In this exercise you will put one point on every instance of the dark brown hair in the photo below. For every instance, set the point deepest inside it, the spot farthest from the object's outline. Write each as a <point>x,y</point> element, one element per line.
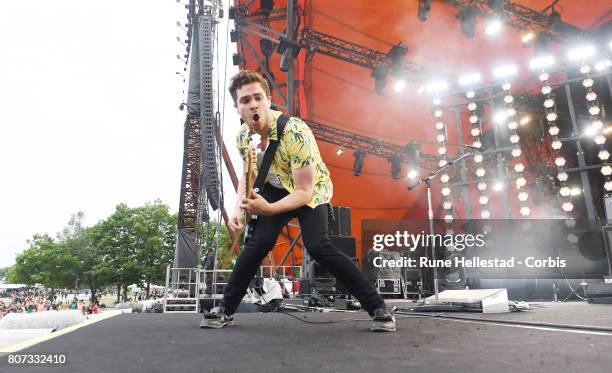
<point>245,77</point>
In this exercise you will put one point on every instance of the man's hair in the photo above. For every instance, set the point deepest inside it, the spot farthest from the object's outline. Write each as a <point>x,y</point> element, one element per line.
<point>245,77</point>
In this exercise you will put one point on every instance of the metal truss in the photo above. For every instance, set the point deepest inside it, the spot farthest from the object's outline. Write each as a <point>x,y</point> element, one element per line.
<point>190,179</point>
<point>524,18</point>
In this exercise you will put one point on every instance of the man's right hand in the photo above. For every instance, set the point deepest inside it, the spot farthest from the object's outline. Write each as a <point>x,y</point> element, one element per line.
<point>236,221</point>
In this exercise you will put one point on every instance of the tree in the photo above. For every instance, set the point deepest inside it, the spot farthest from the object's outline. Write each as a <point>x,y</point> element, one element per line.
<point>4,273</point>
<point>46,262</point>
<point>208,234</point>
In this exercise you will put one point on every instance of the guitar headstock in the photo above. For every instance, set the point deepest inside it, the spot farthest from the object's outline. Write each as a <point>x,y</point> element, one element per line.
<point>251,161</point>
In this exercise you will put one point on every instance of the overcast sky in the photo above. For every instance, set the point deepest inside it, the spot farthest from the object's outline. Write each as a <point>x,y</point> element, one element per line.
<point>89,115</point>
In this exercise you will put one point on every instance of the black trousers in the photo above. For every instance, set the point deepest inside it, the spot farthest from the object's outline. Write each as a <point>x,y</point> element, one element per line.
<point>313,223</point>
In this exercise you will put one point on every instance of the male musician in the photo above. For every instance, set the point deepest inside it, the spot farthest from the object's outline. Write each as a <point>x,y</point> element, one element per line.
<point>298,185</point>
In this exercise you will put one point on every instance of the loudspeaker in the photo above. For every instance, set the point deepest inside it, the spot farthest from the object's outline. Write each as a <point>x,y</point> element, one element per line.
<point>318,277</point>
<point>341,225</point>
<point>347,245</point>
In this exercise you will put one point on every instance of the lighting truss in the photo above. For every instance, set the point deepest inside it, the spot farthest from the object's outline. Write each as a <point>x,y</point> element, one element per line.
<point>524,18</point>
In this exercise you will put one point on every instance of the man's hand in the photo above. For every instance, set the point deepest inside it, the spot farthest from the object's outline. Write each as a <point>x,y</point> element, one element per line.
<point>236,221</point>
<point>256,205</point>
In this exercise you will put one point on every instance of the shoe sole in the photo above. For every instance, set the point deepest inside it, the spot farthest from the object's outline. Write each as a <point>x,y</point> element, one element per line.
<point>382,329</point>
<point>218,326</point>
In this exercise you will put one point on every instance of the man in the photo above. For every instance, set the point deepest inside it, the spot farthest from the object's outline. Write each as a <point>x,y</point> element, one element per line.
<point>298,185</point>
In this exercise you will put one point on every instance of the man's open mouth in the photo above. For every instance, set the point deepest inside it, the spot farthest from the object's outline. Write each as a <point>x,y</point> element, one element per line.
<point>256,117</point>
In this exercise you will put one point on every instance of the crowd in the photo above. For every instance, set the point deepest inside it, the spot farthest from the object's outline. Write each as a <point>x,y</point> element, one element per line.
<point>21,302</point>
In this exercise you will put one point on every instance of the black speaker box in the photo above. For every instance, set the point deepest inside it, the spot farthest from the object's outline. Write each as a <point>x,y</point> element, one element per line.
<point>341,225</point>
<point>316,276</point>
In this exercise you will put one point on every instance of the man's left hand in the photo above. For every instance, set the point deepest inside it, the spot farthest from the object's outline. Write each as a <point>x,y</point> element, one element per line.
<point>256,205</point>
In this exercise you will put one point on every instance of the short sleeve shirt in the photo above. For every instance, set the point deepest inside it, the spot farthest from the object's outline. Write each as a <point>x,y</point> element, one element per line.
<point>297,148</point>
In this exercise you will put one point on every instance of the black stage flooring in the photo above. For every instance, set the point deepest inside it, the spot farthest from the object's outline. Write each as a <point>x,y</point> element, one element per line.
<point>279,343</point>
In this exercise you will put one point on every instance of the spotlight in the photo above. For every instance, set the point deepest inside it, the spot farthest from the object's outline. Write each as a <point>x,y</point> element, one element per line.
<point>498,186</point>
<point>236,60</point>
<point>505,71</point>
<point>470,79</point>
<point>234,36</point>
<point>413,174</point>
<point>493,26</point>
<point>424,8</point>
<point>340,150</point>
<point>359,155</point>
<point>468,21</point>
<point>437,86</point>
<point>289,51</point>
<point>581,53</point>
<point>499,116</point>
<point>266,7</point>
<point>399,85</point>
<point>541,62</point>
<point>266,47</point>
<point>396,166</point>
<point>524,120</point>
<point>527,38</point>
<point>380,79</point>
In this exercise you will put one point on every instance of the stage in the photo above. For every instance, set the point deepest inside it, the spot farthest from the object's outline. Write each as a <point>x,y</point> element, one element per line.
<point>278,342</point>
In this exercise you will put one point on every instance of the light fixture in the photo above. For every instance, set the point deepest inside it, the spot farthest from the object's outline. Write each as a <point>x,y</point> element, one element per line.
<point>505,71</point>
<point>581,53</point>
<point>340,150</point>
<point>359,155</point>
<point>524,120</point>
<point>542,62</point>
<point>437,86</point>
<point>493,26</point>
<point>399,85</point>
<point>469,79</point>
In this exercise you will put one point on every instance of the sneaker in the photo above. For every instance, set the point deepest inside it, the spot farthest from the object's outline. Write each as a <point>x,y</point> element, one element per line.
<point>216,319</point>
<point>383,320</point>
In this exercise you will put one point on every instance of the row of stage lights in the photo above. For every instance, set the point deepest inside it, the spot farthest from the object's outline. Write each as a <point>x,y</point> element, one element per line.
<point>597,130</point>
<point>584,53</point>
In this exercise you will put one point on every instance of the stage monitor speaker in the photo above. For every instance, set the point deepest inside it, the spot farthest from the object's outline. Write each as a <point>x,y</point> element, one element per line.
<point>314,275</point>
<point>489,300</point>
<point>341,225</point>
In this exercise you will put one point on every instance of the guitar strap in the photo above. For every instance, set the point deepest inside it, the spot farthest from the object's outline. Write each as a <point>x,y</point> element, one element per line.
<point>269,154</point>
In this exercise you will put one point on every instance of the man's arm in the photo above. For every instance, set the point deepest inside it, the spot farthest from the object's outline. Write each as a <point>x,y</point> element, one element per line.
<point>236,220</point>
<point>303,179</point>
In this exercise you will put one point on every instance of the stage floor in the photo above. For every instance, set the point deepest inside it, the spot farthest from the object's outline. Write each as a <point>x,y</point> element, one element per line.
<point>277,342</point>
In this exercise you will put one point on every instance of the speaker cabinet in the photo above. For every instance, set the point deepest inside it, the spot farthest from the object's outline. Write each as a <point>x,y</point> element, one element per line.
<point>341,225</point>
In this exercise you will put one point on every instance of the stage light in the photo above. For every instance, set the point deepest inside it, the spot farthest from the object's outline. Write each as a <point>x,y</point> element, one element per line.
<point>527,37</point>
<point>472,106</point>
<point>544,76</point>
<point>442,150</point>
<point>594,110</point>
<point>480,172</point>
<point>424,8</point>
<point>549,103</point>
<point>440,137</point>
<point>512,125</point>
<point>606,170</point>
<point>485,214</point>
<point>473,119</point>
<point>442,162</point>
<point>525,211</point>
<point>581,53</point>
<point>413,174</point>
<point>562,176</point>
<point>482,186</point>
<point>597,124</point>
<point>567,206</point>
<point>439,126</point>
<point>396,166</point>
<point>266,7</point>
<point>585,69</point>
<point>516,152</point>
<point>421,89</point>
<point>478,158</point>
<point>475,132</point>
<point>551,117</point>
<point>447,205</point>
<point>608,186</point>
<point>359,155</point>
<point>499,117</point>
<point>600,139</point>
<point>470,94</point>
<point>469,79</point>
<point>553,130</point>
<point>575,191</point>
<point>493,26</point>
<point>591,96</point>
<point>587,83</point>
<point>510,112</point>
<point>445,191</point>
<point>483,200</point>
<point>514,138</point>
<point>524,120</point>
<point>604,155</point>
<point>444,178</point>
<point>380,79</point>
<point>523,196</point>
<point>565,191</point>
<point>505,71</point>
<point>541,62</point>
<point>437,101</point>
<point>468,21</point>
<point>519,167</point>
<point>437,86</point>
<point>340,150</point>
<point>556,144</point>
<point>477,144</point>
<point>590,131</point>
<point>448,218</point>
<point>560,162</point>
<point>437,113</point>
<point>508,99</point>
<point>546,90</point>
<point>521,182</point>
<point>399,86</point>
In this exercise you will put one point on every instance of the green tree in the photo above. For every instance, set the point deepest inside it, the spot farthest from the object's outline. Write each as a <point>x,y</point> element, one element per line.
<point>47,262</point>
<point>4,273</point>
<point>214,235</point>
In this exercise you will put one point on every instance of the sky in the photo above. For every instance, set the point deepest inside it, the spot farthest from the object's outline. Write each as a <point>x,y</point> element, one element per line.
<point>89,115</point>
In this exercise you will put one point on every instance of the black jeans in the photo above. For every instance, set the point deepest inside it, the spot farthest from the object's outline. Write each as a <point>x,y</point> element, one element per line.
<point>313,223</point>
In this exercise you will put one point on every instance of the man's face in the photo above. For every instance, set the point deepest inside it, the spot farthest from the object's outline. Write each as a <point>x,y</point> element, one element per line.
<point>254,107</point>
